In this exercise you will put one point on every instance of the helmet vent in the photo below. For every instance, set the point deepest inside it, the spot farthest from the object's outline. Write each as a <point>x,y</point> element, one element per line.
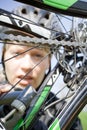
<point>47,16</point>
<point>24,11</point>
<point>42,24</point>
<point>35,12</point>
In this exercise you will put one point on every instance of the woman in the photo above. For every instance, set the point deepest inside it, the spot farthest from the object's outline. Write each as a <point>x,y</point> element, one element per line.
<point>26,67</point>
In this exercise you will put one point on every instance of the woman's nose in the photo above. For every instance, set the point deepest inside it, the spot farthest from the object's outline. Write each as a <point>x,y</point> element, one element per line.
<point>27,62</point>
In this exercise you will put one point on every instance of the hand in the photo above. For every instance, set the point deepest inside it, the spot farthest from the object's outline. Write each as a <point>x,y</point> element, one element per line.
<point>4,88</point>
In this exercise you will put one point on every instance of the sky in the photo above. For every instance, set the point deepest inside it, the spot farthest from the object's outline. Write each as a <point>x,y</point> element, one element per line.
<point>9,4</point>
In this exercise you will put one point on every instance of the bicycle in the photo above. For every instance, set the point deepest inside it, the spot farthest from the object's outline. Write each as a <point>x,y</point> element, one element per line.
<point>71,48</point>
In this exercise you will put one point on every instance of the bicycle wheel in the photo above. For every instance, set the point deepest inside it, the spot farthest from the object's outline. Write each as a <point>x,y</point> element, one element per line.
<point>70,51</point>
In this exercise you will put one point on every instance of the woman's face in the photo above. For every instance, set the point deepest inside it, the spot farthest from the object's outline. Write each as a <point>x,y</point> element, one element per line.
<point>17,67</point>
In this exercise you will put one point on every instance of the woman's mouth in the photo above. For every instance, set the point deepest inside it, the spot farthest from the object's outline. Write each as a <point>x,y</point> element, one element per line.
<point>25,80</point>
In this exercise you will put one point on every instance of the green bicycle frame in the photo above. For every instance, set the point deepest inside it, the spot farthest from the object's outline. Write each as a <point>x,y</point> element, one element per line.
<point>61,4</point>
<point>65,119</point>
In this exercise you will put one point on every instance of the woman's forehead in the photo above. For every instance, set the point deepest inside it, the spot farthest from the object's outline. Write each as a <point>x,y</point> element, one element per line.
<point>27,45</point>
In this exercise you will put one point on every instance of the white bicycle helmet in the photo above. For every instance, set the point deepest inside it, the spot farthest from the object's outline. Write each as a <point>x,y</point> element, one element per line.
<point>44,26</point>
<point>41,18</point>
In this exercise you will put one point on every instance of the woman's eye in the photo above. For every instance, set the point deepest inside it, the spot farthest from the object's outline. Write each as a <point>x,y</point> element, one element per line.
<point>16,53</point>
<point>39,56</point>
